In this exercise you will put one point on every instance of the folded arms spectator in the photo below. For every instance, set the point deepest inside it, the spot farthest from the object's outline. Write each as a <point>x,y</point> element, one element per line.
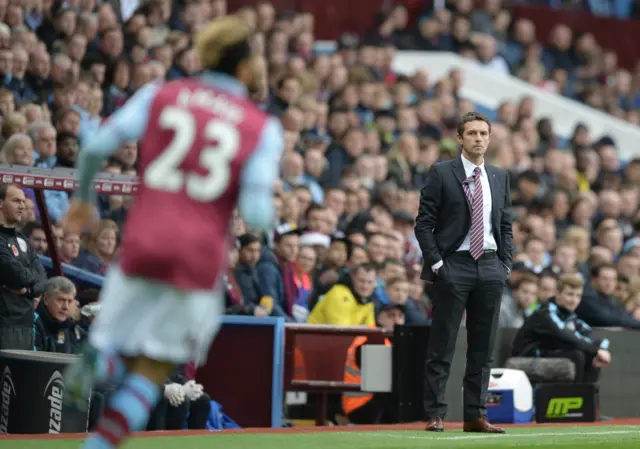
<point>22,276</point>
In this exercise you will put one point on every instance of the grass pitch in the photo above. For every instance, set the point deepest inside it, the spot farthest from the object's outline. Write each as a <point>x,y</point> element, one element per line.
<point>606,437</point>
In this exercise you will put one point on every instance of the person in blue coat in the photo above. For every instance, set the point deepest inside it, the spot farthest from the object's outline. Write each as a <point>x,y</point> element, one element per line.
<point>276,272</point>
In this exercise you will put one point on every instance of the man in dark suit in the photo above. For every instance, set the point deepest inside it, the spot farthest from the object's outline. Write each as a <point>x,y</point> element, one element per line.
<point>464,230</point>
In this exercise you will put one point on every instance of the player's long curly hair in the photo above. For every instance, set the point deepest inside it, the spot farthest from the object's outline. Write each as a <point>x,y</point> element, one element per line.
<point>223,38</point>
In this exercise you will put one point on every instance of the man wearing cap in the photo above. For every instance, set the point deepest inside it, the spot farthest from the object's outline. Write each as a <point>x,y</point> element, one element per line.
<point>276,272</point>
<point>361,407</point>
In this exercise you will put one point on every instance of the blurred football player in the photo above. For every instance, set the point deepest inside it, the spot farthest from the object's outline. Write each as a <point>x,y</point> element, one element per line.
<point>205,149</point>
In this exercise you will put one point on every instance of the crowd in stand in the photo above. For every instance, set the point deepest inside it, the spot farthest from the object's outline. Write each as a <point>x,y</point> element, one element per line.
<point>569,63</point>
<point>359,140</point>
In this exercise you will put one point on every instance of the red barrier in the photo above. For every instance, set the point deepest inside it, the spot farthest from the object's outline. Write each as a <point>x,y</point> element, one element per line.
<point>334,17</point>
<point>622,36</point>
<point>239,373</point>
<point>314,360</point>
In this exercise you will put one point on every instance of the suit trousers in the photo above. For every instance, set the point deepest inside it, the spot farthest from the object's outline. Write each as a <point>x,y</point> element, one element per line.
<point>475,286</point>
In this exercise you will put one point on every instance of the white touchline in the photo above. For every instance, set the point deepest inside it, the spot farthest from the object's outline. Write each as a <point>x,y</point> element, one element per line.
<point>483,436</point>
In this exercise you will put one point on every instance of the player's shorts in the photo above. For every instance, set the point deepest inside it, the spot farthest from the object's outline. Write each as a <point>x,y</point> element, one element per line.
<point>143,317</point>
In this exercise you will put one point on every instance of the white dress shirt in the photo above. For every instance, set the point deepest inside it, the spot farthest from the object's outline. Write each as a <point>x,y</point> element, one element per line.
<point>489,240</point>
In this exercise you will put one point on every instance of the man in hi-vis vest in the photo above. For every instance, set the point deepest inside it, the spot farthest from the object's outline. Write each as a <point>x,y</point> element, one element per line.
<point>361,407</point>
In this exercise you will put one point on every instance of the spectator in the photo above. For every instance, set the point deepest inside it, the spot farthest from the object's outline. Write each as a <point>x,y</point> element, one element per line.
<point>599,307</point>
<point>18,150</point>
<point>276,271</point>
<point>334,267</point>
<point>246,276</point>
<point>67,144</point>
<point>37,237</point>
<point>520,304</point>
<point>307,260</point>
<point>55,330</point>
<point>43,135</point>
<point>397,290</point>
<point>349,302</point>
<point>547,286</point>
<point>554,330</point>
<point>70,248</point>
<point>101,247</point>
<point>22,275</point>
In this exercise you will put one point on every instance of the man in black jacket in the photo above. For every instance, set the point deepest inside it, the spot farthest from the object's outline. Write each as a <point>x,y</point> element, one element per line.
<point>247,277</point>
<point>22,276</point>
<point>54,329</point>
<point>554,330</point>
<point>599,306</point>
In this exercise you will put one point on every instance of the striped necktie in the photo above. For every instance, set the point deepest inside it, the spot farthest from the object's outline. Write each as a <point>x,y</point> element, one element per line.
<point>476,244</point>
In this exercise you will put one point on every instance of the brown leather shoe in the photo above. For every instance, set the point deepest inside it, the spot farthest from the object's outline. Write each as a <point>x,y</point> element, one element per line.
<point>435,425</point>
<point>481,425</point>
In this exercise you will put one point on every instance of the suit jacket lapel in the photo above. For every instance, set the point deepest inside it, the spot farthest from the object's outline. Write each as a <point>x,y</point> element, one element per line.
<point>461,175</point>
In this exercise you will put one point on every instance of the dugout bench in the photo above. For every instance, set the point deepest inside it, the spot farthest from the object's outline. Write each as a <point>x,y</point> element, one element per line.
<point>314,360</point>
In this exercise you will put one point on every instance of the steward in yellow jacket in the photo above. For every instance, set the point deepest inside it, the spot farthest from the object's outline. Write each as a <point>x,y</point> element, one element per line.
<point>347,303</point>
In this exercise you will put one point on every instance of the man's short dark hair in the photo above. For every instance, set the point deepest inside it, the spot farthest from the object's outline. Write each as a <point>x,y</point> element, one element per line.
<point>352,247</point>
<point>314,207</point>
<point>527,279</point>
<point>339,109</point>
<point>596,270</point>
<point>366,267</point>
<point>338,188</point>
<point>531,239</point>
<point>4,188</point>
<point>62,114</point>
<point>636,225</point>
<point>32,226</point>
<point>531,176</point>
<point>471,117</point>
<point>284,78</point>
<point>388,262</point>
<point>548,273</point>
<point>377,234</point>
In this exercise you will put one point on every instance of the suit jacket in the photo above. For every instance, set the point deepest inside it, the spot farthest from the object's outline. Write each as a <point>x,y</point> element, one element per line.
<point>444,217</point>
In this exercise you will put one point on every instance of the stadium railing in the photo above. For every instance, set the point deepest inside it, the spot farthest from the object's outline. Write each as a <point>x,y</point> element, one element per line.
<point>64,179</point>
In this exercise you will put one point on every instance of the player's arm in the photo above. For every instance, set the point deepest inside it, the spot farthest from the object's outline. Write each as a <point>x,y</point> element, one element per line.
<point>556,327</point>
<point>260,173</point>
<point>126,124</point>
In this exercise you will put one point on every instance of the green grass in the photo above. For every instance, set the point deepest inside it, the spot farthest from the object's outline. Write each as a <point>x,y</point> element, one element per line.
<point>607,437</point>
